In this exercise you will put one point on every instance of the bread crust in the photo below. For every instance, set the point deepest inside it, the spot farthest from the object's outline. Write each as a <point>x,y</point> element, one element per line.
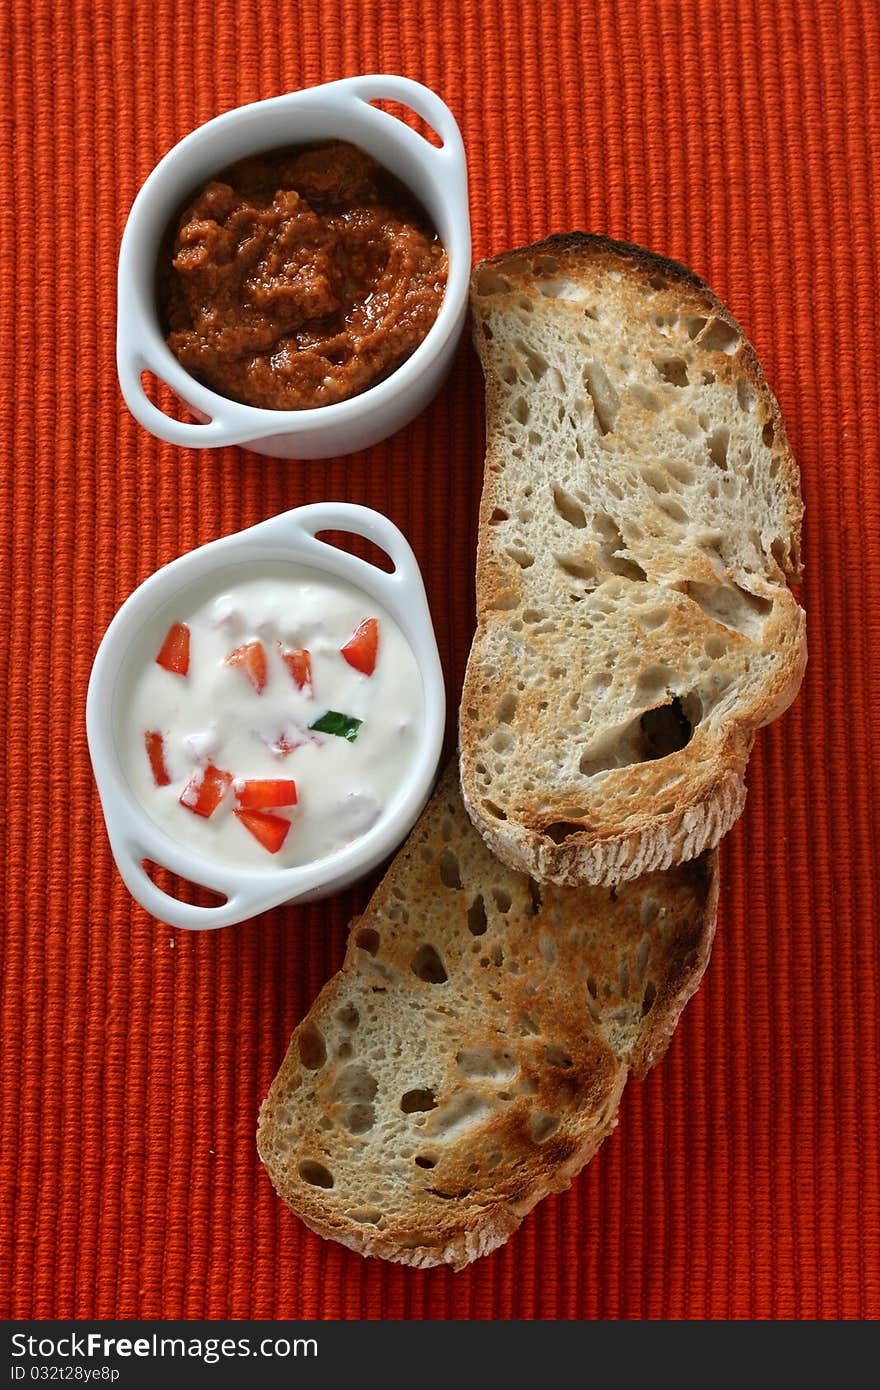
<point>600,845</point>
<point>569,1018</point>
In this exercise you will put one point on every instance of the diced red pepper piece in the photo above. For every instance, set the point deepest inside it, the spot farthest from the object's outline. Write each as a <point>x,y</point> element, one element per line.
<point>360,651</point>
<point>155,743</point>
<point>255,794</point>
<point>205,790</point>
<point>299,664</point>
<point>284,744</point>
<point>252,659</point>
<point>174,651</point>
<point>271,831</point>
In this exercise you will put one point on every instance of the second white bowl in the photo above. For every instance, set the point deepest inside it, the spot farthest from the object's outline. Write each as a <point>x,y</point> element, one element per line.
<point>135,836</point>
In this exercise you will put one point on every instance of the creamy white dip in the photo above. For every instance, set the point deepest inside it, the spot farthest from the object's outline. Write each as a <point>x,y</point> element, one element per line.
<point>214,717</point>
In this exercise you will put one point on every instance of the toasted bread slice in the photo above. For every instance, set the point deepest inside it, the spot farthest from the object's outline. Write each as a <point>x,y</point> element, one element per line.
<point>470,1055</point>
<point>640,520</point>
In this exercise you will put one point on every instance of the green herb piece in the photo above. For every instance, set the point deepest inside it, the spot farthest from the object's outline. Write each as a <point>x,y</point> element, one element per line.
<point>342,725</point>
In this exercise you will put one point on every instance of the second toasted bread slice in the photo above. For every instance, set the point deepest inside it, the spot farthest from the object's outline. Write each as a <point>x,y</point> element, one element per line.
<point>470,1055</point>
<point>639,523</point>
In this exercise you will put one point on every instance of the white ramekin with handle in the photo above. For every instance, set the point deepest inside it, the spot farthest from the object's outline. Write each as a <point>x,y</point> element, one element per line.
<point>338,110</point>
<point>134,836</point>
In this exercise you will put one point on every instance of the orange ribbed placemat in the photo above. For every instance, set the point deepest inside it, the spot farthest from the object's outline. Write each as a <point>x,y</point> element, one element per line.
<point>744,1177</point>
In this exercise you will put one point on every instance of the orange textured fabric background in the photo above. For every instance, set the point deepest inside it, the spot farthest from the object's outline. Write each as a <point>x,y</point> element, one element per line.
<point>744,1177</point>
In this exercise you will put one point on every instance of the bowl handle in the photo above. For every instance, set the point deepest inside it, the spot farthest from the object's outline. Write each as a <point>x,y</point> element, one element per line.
<point>449,159</point>
<point>165,908</point>
<point>131,361</point>
<point>305,522</point>
<point>239,905</point>
<point>380,86</point>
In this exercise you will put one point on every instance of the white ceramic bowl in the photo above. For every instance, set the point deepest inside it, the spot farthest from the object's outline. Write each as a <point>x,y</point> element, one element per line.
<point>135,836</point>
<point>337,110</point>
